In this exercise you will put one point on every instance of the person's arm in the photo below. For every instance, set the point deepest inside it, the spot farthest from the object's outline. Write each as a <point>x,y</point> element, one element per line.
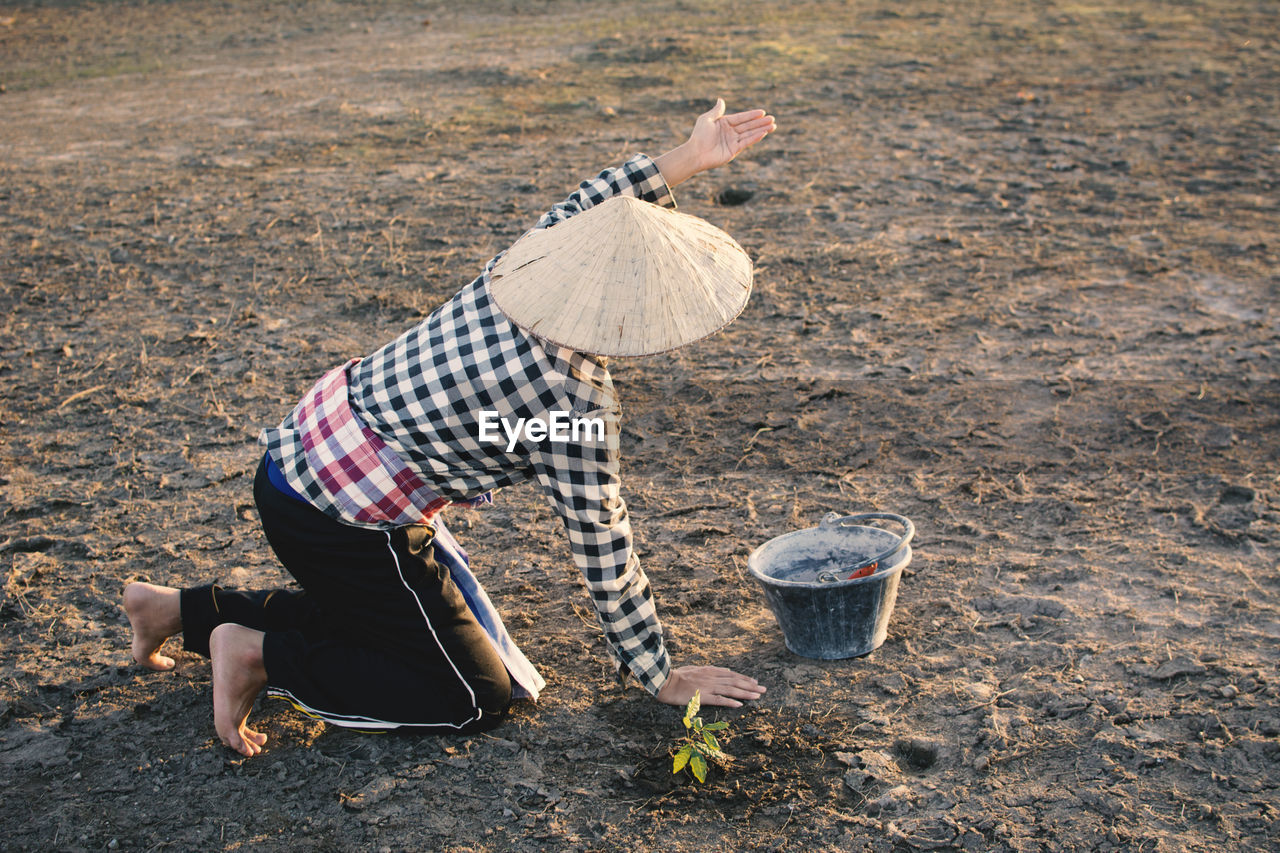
<point>716,139</point>
<point>637,177</point>
<point>581,481</point>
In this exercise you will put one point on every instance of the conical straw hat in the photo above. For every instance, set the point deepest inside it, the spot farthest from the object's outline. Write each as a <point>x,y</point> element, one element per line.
<point>625,277</point>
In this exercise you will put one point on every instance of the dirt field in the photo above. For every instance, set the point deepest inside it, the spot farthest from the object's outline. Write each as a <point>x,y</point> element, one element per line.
<point>1017,280</point>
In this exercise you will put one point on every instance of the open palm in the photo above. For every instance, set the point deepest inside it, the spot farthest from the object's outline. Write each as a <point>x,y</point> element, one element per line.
<point>718,138</point>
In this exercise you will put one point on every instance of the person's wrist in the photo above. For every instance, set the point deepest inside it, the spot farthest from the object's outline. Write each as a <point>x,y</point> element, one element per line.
<point>669,689</point>
<point>679,164</point>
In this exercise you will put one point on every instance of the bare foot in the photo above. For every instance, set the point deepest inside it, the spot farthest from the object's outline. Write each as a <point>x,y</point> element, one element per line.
<point>238,677</point>
<point>155,613</point>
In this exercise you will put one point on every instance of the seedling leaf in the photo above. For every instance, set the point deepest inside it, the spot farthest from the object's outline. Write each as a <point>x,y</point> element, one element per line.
<point>716,727</point>
<point>711,740</point>
<point>691,710</point>
<point>682,758</point>
<point>698,765</point>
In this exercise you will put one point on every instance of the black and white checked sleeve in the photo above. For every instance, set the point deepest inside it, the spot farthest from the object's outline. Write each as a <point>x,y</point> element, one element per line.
<point>637,177</point>
<point>581,480</point>
<point>582,483</point>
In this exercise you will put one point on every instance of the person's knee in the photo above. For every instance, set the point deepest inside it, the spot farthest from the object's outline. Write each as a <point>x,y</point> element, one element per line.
<point>487,722</point>
<point>493,692</point>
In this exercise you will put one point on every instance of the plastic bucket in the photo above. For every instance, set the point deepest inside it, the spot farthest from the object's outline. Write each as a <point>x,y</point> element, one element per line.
<point>823,612</point>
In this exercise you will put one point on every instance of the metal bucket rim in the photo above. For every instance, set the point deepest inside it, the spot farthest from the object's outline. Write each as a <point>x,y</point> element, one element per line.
<point>903,551</point>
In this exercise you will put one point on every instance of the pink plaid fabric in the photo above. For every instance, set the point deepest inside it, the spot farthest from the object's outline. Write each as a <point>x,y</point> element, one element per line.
<point>361,475</point>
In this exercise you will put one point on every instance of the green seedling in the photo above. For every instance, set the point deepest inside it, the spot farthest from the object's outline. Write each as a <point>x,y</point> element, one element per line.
<point>698,744</point>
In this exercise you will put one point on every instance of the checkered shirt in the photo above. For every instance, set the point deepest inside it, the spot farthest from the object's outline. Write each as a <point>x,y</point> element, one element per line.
<point>416,405</point>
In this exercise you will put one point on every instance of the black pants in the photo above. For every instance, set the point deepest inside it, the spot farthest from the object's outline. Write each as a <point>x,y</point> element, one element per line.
<point>379,637</point>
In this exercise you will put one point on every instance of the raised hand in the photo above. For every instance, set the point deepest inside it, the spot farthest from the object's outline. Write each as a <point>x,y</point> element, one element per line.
<point>716,139</point>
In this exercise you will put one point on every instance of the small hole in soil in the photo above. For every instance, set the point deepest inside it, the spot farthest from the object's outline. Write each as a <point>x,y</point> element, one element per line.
<point>734,196</point>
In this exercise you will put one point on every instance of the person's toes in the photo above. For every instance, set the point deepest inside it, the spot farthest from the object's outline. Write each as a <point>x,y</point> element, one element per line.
<point>240,745</point>
<point>241,741</point>
<point>253,741</point>
<point>146,649</point>
<point>158,662</point>
<point>147,653</point>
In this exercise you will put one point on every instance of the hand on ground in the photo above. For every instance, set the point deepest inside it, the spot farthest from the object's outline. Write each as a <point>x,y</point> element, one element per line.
<point>718,686</point>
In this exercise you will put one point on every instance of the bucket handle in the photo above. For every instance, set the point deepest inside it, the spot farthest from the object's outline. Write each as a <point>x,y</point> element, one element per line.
<point>834,520</point>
